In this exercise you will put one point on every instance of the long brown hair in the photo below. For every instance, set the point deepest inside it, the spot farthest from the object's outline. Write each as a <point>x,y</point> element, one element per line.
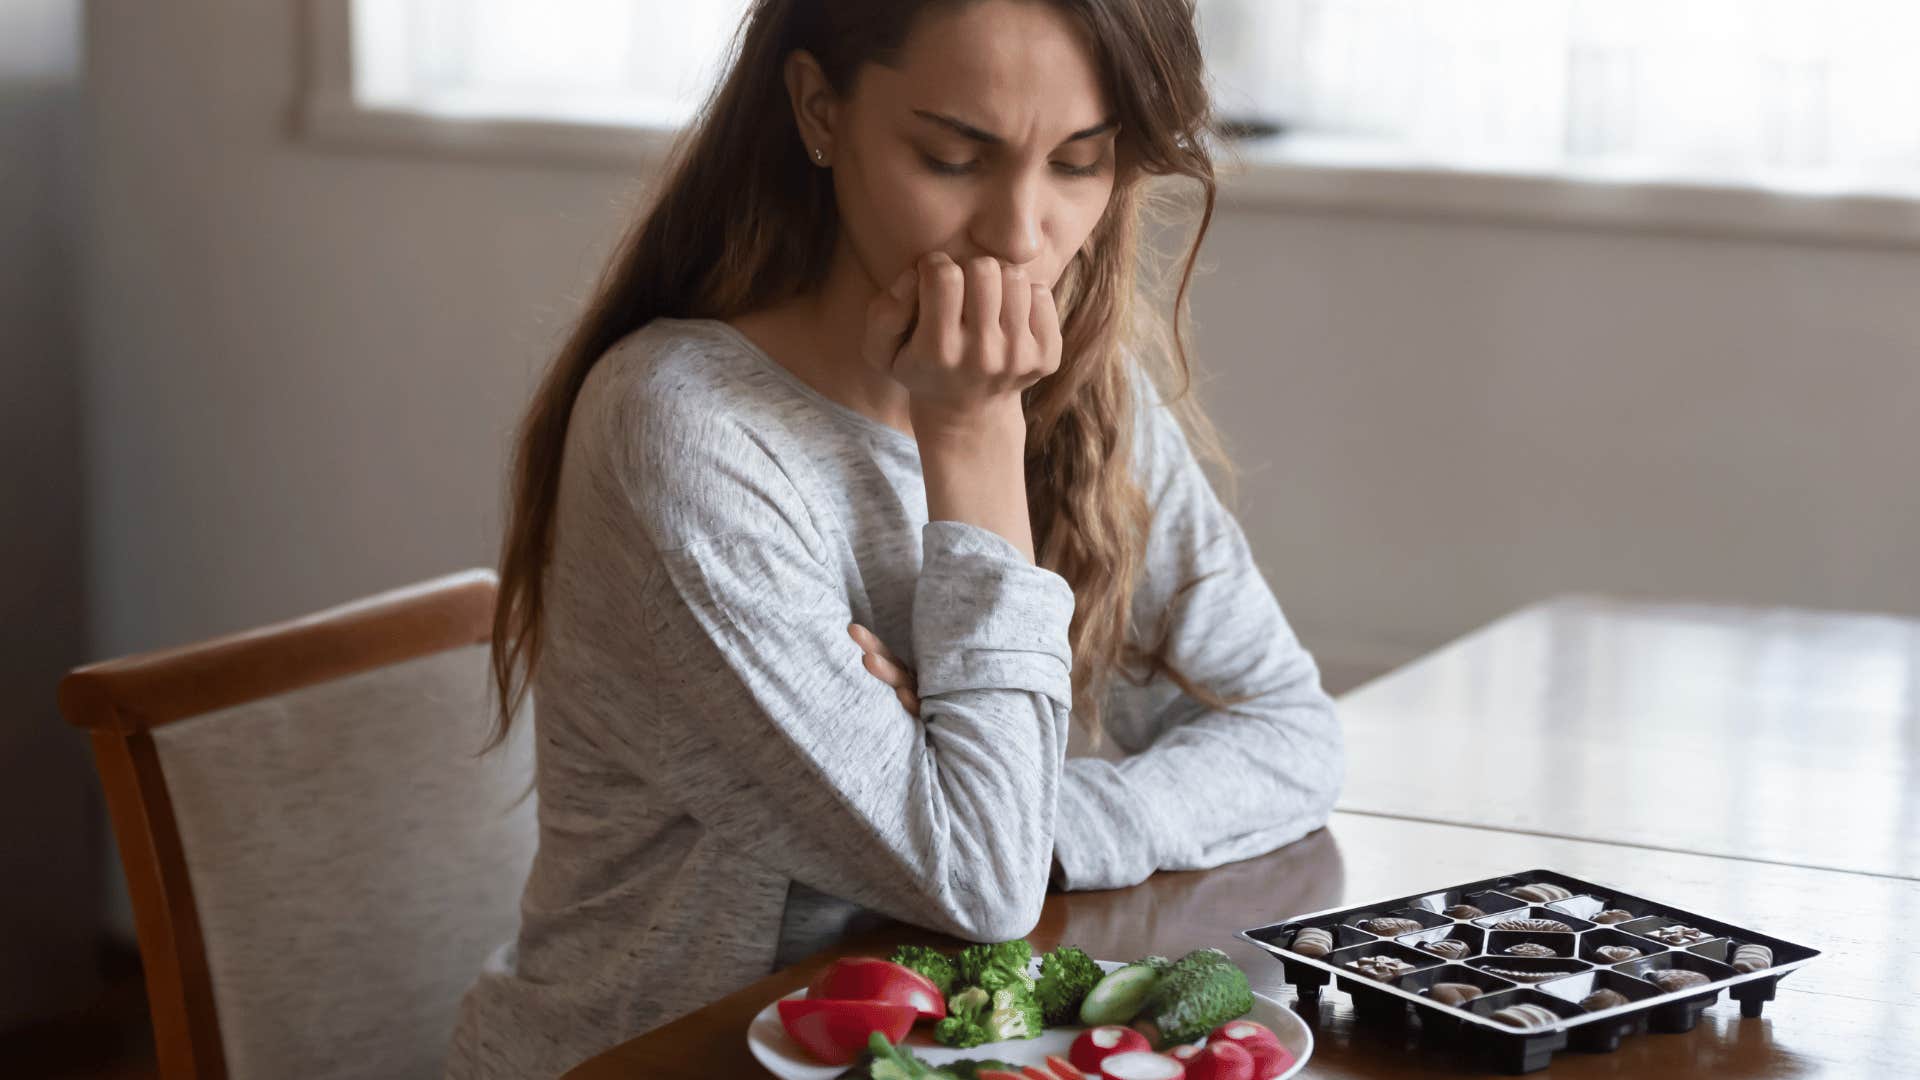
<point>741,220</point>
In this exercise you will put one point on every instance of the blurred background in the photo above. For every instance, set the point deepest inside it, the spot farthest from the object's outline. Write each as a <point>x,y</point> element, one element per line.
<point>1506,299</point>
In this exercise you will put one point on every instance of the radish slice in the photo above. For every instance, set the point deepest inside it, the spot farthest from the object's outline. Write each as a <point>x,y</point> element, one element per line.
<point>1270,1058</point>
<point>1096,1044</point>
<point>1142,1065</point>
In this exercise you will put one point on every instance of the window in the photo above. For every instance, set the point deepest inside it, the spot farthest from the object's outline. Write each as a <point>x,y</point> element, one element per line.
<point>645,63</point>
<point>1788,93</point>
<point>1788,117</point>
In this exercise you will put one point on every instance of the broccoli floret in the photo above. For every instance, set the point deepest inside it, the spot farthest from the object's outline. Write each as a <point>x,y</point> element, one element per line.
<point>975,960</point>
<point>1015,1015</point>
<point>965,1024</point>
<point>1066,976</point>
<point>937,966</point>
<point>1000,978</point>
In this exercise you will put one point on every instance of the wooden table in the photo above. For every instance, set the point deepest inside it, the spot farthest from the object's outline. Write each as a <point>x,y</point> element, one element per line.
<point>1635,745</point>
<point>1849,1013</point>
<point>1790,736</point>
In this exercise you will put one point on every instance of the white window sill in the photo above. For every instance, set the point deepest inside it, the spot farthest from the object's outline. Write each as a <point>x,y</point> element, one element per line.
<point>1284,175</point>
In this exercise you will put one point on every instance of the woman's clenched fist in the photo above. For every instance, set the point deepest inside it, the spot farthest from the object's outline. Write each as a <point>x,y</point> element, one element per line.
<point>964,339</point>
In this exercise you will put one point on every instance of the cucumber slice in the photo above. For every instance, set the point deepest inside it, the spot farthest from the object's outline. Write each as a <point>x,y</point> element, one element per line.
<point>1117,998</point>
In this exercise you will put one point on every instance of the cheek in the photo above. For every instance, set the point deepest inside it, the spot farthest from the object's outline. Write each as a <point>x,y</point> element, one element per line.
<point>899,212</point>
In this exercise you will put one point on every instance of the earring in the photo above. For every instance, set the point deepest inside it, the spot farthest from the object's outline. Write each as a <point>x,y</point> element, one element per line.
<point>819,156</point>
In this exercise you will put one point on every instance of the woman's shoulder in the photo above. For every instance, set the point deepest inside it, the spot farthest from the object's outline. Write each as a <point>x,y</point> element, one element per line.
<point>673,414</point>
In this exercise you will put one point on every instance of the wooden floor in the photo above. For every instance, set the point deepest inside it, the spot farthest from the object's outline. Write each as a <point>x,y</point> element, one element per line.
<point>109,1040</point>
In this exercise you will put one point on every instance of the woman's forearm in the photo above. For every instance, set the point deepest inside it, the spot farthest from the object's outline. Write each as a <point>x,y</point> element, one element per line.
<point>975,471</point>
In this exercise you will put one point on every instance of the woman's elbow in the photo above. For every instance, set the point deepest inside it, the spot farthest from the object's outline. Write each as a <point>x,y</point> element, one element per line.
<point>1005,918</point>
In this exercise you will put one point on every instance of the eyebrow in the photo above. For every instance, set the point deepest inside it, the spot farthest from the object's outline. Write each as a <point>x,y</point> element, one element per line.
<point>990,139</point>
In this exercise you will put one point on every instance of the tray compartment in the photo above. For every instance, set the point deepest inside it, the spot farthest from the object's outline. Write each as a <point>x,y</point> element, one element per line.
<point>1593,940</point>
<point>1681,1008</point>
<point>1574,923</point>
<point>1602,1035</point>
<point>1474,938</point>
<point>1519,1050</point>
<point>1500,941</point>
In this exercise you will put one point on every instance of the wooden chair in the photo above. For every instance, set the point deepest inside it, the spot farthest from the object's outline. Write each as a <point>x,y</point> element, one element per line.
<point>319,863</point>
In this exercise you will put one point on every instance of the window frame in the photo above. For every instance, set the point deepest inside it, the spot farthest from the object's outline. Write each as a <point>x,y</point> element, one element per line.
<point>1285,175</point>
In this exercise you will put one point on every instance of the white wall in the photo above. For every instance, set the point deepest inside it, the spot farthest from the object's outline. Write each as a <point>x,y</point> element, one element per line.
<point>304,365</point>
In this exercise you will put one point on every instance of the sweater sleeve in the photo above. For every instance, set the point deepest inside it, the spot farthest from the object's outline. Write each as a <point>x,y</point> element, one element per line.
<point>1214,786</point>
<point>762,722</point>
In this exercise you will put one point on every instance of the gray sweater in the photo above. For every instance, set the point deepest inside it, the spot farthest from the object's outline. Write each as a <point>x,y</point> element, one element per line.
<point>724,788</point>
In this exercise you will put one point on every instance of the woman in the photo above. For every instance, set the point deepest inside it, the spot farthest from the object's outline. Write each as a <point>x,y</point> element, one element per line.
<point>859,420</point>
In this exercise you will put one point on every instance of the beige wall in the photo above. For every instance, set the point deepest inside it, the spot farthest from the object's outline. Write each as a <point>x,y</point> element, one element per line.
<point>304,365</point>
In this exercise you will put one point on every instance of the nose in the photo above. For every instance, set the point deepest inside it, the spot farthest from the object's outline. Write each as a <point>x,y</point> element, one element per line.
<point>1010,222</point>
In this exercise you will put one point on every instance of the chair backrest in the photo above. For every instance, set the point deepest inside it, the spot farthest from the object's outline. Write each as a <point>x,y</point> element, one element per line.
<point>318,861</point>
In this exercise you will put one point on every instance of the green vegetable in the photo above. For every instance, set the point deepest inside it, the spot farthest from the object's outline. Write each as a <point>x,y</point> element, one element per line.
<point>976,960</point>
<point>965,1023</point>
<point>937,966</point>
<point>885,1061</point>
<point>1160,964</point>
<point>1015,1015</point>
<point>1202,990</point>
<point>1117,997</point>
<point>1067,974</point>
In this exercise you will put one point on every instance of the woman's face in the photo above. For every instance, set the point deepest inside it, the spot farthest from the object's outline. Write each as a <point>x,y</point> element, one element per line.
<point>993,136</point>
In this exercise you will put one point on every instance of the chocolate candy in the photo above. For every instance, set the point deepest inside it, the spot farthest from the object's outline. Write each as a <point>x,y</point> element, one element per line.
<point>1531,924</point>
<point>1380,967</point>
<point>1617,954</point>
<point>1676,979</point>
<point>1525,976</point>
<point>1463,911</point>
<point>1529,948</point>
<point>1602,999</point>
<point>1526,1016</point>
<point>1447,947</point>
<point>1454,993</point>
<point>1752,958</point>
<point>1313,941</point>
<point>1540,894</point>
<point>1679,935</point>
<point>1387,926</point>
<point>1613,915</point>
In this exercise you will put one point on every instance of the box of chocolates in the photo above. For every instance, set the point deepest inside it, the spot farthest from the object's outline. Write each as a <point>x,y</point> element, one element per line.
<point>1520,967</point>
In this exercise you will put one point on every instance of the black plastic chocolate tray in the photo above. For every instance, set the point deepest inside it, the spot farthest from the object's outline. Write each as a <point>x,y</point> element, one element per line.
<point>1559,970</point>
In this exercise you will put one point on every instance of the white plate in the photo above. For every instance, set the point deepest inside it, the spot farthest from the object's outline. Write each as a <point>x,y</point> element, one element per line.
<point>772,1047</point>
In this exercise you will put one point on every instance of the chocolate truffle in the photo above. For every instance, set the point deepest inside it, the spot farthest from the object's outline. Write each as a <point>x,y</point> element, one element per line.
<point>1447,947</point>
<point>1617,954</point>
<point>1463,911</point>
<point>1602,999</point>
<point>1613,915</point>
<point>1454,993</point>
<point>1387,926</point>
<point>1529,948</point>
<point>1531,924</point>
<point>1679,935</point>
<point>1540,894</point>
<point>1380,967</point>
<point>1526,1016</point>
<point>1313,941</point>
<point>1752,958</point>
<point>1676,979</point>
